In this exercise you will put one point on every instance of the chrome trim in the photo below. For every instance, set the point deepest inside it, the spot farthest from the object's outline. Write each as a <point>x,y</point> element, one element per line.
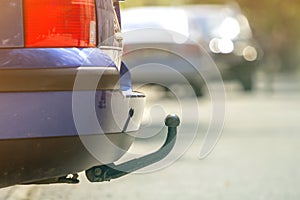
<point>111,48</point>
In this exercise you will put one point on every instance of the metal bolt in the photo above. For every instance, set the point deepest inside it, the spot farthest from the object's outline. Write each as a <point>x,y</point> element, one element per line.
<point>97,171</point>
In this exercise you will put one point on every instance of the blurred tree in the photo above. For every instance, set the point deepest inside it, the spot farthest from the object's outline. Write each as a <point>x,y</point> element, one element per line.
<point>275,24</point>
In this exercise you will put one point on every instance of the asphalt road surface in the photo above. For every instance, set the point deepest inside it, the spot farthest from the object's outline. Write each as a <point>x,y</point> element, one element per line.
<point>257,156</point>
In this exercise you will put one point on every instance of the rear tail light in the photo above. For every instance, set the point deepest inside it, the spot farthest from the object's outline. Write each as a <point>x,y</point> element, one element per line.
<point>59,23</point>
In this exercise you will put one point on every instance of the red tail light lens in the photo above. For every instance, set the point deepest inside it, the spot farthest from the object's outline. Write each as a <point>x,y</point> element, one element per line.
<point>59,23</point>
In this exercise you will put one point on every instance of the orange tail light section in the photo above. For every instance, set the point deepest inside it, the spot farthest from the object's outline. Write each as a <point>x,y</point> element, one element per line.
<point>59,23</point>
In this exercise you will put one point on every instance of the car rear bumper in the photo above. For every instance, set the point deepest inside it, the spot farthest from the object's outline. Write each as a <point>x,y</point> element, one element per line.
<point>33,159</point>
<point>45,134</point>
<point>57,121</point>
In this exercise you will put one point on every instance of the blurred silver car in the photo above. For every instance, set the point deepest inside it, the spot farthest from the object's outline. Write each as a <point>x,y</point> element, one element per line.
<point>158,49</point>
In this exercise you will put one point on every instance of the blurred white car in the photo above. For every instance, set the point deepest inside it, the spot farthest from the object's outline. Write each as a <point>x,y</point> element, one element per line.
<point>158,49</point>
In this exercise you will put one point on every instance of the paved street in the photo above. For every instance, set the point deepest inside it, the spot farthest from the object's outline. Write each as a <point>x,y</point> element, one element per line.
<point>257,156</point>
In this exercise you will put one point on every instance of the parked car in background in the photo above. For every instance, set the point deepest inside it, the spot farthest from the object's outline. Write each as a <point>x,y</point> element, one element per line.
<point>224,31</point>
<point>219,31</point>
<point>157,47</point>
<point>66,103</point>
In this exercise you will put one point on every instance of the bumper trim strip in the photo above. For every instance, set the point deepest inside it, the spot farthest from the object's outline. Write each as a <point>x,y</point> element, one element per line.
<point>57,79</point>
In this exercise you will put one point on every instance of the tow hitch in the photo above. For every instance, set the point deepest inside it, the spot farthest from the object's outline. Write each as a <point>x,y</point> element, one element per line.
<point>107,172</point>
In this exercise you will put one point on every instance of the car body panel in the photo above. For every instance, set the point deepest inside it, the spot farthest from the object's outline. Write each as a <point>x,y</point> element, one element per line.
<point>50,114</point>
<point>53,58</point>
<point>34,159</point>
<point>63,110</point>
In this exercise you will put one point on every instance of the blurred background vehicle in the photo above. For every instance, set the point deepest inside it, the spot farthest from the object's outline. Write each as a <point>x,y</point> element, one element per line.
<point>183,38</point>
<point>157,47</point>
<point>224,31</point>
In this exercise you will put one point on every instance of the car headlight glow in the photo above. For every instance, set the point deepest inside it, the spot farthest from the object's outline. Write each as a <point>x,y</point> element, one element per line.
<point>250,53</point>
<point>229,28</point>
<point>224,46</point>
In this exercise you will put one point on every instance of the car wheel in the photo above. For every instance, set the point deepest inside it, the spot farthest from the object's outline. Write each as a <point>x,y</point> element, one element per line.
<point>244,73</point>
<point>247,82</point>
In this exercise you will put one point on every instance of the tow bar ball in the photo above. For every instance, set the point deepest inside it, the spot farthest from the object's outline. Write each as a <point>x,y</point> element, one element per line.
<point>172,120</point>
<point>107,172</point>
